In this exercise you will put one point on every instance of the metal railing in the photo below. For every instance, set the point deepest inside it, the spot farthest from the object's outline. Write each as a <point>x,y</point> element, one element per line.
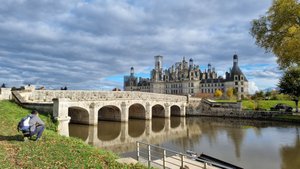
<point>156,156</point>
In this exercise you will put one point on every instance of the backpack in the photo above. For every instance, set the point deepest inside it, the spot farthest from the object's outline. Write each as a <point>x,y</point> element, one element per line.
<point>23,125</point>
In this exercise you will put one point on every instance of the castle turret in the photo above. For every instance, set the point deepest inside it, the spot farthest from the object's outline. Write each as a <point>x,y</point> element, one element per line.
<point>158,62</point>
<point>191,63</point>
<point>209,68</point>
<point>235,60</point>
<point>132,71</point>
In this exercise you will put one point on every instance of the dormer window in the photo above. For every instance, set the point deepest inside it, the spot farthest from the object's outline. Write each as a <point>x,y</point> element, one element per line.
<point>235,77</point>
<point>242,78</point>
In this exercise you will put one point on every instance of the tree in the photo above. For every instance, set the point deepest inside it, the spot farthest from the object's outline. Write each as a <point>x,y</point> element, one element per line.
<point>290,84</point>
<point>229,92</point>
<point>279,32</point>
<point>218,93</point>
<point>3,85</point>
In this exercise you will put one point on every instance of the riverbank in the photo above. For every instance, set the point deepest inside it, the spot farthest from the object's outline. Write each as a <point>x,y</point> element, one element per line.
<point>52,151</point>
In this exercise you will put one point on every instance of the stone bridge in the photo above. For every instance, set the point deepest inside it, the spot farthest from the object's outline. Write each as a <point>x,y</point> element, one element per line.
<point>87,107</point>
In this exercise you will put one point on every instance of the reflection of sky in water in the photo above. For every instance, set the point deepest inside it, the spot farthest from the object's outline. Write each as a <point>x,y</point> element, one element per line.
<point>266,145</point>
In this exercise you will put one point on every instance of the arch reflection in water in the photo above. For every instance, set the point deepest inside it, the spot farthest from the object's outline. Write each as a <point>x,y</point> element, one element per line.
<point>122,137</point>
<point>137,128</point>
<point>108,131</point>
<point>79,131</point>
<point>159,124</point>
<point>177,121</point>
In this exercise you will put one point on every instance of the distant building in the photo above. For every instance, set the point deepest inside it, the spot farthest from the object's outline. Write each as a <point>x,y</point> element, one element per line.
<point>186,78</point>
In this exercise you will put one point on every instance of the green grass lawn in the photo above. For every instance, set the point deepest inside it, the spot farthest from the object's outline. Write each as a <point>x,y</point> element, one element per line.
<point>52,151</point>
<point>262,104</point>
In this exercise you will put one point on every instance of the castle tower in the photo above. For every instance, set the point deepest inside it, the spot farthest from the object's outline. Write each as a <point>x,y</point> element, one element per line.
<point>131,71</point>
<point>158,62</point>
<point>235,60</point>
<point>209,68</point>
<point>191,64</point>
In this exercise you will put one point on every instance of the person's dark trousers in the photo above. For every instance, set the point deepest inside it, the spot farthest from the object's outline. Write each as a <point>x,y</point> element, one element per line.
<point>39,131</point>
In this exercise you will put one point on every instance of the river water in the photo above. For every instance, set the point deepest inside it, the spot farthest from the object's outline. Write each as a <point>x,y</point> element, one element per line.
<point>246,143</point>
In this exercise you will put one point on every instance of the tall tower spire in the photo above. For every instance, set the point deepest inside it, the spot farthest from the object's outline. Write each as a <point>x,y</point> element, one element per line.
<point>158,62</point>
<point>235,60</point>
<point>131,71</point>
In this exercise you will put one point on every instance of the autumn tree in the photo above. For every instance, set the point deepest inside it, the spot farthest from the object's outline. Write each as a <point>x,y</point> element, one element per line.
<point>229,92</point>
<point>290,84</point>
<point>279,32</point>
<point>218,93</point>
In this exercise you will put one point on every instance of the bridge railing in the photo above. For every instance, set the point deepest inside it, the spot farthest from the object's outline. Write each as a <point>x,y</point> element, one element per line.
<point>78,95</point>
<point>155,156</point>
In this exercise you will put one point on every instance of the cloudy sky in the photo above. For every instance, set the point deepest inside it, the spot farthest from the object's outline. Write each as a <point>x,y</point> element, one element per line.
<point>91,44</point>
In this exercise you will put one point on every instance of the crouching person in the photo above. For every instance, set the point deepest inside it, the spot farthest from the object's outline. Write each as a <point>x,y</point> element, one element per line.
<point>37,126</point>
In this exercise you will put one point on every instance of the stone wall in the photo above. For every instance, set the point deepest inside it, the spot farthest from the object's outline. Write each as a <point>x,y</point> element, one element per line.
<point>206,107</point>
<point>5,94</point>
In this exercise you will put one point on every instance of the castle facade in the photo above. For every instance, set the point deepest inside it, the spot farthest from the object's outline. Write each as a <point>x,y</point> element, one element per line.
<point>184,78</point>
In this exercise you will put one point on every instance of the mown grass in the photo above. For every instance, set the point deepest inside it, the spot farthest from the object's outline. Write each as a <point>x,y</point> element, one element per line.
<point>261,104</point>
<point>52,151</point>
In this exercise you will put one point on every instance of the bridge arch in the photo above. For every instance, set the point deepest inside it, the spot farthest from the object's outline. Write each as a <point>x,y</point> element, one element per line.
<point>137,111</point>
<point>109,113</point>
<point>175,110</point>
<point>78,115</point>
<point>158,111</point>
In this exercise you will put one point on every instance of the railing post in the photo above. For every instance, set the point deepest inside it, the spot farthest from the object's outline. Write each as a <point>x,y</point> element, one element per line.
<point>164,159</point>
<point>181,158</point>
<point>137,151</point>
<point>149,156</point>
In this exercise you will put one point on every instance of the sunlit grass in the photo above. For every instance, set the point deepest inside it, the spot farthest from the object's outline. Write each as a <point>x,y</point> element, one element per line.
<point>52,151</point>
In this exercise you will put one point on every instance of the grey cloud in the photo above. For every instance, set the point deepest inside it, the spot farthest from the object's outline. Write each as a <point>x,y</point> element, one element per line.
<point>76,43</point>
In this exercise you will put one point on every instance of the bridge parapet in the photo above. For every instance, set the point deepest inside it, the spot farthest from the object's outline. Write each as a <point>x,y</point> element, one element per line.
<point>83,95</point>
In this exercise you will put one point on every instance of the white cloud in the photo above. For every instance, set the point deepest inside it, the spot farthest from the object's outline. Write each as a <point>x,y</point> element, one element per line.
<point>252,87</point>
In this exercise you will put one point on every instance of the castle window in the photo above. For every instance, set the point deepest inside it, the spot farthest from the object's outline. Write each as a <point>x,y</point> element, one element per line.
<point>192,84</point>
<point>236,83</point>
<point>235,77</point>
<point>242,78</point>
<point>242,83</point>
<point>192,90</point>
<point>242,89</point>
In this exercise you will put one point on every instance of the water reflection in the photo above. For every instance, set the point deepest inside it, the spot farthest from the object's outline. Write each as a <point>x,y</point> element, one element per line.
<point>290,155</point>
<point>108,130</point>
<point>250,144</point>
<point>136,128</point>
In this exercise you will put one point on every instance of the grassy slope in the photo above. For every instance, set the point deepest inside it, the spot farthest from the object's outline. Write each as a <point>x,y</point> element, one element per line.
<point>53,151</point>
<point>262,104</point>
